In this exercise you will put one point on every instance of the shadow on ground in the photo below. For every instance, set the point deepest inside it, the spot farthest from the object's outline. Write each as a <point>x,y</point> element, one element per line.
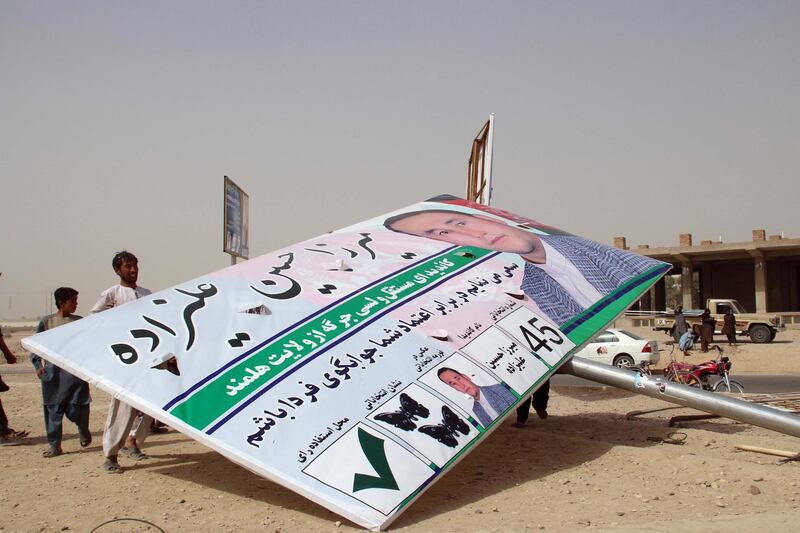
<point>508,457</point>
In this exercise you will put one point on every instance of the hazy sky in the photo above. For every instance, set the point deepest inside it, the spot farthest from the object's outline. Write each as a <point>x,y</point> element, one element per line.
<point>118,121</point>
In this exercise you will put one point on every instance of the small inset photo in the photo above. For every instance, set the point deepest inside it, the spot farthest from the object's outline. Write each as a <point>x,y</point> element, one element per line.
<point>471,388</point>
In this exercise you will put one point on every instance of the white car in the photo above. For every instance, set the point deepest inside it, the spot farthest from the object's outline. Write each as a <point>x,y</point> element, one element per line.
<point>620,348</point>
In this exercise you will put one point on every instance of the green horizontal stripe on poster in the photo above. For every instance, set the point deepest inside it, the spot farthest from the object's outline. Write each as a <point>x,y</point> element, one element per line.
<point>240,381</point>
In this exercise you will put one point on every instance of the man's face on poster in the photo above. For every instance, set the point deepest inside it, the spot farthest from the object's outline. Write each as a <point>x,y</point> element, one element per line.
<point>459,382</point>
<point>469,230</point>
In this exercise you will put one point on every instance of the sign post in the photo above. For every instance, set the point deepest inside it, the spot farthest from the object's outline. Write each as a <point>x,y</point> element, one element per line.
<point>479,169</point>
<point>236,221</point>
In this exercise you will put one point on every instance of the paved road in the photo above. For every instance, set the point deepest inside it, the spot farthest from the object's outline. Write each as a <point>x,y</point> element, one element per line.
<point>761,383</point>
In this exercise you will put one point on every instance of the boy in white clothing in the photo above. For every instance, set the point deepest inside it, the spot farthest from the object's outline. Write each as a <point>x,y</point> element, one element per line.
<point>126,427</point>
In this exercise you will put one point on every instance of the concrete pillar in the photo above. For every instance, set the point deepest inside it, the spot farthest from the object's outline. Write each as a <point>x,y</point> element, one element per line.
<point>620,242</point>
<point>687,285</point>
<point>646,301</point>
<point>761,283</point>
<point>660,299</point>
<point>706,284</point>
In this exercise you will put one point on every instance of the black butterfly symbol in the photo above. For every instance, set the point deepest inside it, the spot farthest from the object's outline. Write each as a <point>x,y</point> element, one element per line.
<point>446,431</point>
<point>404,419</point>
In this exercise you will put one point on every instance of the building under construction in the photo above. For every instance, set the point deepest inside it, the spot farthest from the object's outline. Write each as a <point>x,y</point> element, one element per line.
<point>762,274</point>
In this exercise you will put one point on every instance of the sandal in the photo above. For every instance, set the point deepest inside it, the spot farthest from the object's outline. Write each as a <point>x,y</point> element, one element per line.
<point>112,467</point>
<point>134,453</point>
<point>52,452</point>
<point>86,441</point>
<point>11,436</point>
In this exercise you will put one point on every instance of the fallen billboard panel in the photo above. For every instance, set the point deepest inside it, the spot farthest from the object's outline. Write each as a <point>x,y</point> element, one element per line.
<point>358,367</point>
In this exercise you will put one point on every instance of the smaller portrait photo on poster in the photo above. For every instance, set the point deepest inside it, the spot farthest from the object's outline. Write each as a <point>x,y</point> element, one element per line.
<point>427,424</point>
<point>471,388</point>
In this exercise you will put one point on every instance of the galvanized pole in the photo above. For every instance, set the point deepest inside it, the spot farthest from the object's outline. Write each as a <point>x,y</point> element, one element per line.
<point>710,402</point>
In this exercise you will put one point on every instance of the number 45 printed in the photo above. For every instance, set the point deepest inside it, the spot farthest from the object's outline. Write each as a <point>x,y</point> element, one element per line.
<point>537,334</point>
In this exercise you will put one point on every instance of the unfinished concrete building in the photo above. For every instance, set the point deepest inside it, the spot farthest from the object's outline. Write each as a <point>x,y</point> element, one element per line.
<point>763,274</point>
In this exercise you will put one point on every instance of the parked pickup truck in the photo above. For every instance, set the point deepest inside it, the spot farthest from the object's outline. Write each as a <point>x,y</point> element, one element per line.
<point>760,327</point>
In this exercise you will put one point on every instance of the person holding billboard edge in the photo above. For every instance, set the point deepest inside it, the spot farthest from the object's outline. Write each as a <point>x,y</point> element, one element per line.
<point>126,427</point>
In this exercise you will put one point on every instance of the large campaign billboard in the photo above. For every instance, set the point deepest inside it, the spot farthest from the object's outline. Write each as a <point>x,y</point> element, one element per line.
<point>358,367</point>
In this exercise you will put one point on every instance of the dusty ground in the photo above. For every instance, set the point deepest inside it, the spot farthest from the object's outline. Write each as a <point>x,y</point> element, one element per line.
<point>584,468</point>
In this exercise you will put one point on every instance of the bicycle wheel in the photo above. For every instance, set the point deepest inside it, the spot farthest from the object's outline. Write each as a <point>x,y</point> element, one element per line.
<point>721,386</point>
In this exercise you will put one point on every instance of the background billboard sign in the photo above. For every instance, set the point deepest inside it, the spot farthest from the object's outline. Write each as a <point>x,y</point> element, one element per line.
<point>479,168</point>
<point>236,221</point>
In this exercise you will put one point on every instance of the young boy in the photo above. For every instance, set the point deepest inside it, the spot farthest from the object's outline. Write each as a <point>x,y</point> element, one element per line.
<point>62,393</point>
<point>126,427</point>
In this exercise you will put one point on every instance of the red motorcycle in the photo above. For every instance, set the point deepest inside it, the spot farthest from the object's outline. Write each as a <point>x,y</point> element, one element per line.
<point>698,375</point>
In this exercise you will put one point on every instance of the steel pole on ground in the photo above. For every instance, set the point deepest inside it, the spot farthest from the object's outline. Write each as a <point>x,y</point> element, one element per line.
<point>710,402</point>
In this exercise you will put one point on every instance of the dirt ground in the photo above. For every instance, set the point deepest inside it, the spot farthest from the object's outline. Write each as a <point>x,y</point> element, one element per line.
<point>585,467</point>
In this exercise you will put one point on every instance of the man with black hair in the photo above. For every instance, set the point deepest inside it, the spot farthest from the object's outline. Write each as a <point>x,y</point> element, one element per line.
<point>62,393</point>
<point>126,427</point>
<point>563,274</point>
<point>680,327</point>
<point>487,402</point>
